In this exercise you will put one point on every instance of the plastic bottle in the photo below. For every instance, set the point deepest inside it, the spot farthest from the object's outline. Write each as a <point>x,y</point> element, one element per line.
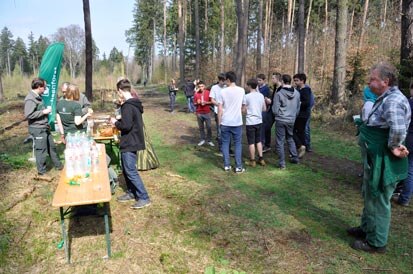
<point>95,158</point>
<point>69,163</point>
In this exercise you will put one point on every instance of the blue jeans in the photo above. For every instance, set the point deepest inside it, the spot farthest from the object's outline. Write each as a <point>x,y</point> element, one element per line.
<point>190,101</point>
<point>133,180</point>
<point>408,183</point>
<point>284,131</point>
<point>307,133</point>
<point>236,134</point>
<point>172,96</point>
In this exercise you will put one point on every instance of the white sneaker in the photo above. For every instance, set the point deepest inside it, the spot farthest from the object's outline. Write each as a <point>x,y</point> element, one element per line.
<point>201,143</point>
<point>227,168</point>
<point>211,144</point>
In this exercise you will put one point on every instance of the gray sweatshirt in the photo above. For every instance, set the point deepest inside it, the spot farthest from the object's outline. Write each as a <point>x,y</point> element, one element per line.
<point>33,111</point>
<point>286,105</point>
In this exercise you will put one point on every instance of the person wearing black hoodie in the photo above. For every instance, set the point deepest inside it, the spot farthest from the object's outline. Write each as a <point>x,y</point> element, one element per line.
<point>132,139</point>
<point>304,114</point>
<point>285,108</point>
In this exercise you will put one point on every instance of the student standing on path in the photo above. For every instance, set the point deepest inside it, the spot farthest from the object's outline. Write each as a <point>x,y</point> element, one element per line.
<point>172,95</point>
<point>285,107</point>
<point>230,117</point>
<point>37,117</point>
<point>131,140</point>
<point>385,162</point>
<point>253,106</point>
<point>202,103</point>
<point>214,94</point>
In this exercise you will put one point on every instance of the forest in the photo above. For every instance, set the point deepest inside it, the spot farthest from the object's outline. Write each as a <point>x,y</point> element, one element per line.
<point>333,42</point>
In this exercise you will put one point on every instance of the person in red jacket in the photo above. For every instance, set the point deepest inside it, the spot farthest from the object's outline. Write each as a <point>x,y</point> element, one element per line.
<point>202,104</point>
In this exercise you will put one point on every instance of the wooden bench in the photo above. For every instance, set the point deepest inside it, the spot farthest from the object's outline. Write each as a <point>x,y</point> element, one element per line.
<point>96,190</point>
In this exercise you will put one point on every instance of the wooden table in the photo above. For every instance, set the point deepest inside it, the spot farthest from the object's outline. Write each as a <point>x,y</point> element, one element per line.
<point>96,190</point>
<point>112,143</point>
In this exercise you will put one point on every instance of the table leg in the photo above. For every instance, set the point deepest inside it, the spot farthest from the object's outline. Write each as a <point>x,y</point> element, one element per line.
<point>107,228</point>
<point>62,222</point>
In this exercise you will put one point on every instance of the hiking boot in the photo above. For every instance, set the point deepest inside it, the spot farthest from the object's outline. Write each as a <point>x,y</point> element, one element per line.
<point>125,198</point>
<point>301,152</point>
<point>251,163</point>
<point>239,170</point>
<point>266,149</point>
<point>141,204</point>
<point>366,247</point>
<point>356,232</point>
<point>211,144</point>
<point>201,143</point>
<point>227,168</point>
<point>261,162</point>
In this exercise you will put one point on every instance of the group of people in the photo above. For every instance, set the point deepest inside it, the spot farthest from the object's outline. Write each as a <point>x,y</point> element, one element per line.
<point>72,110</point>
<point>288,106</point>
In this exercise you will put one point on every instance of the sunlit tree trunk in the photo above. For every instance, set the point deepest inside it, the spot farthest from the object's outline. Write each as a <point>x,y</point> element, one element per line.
<point>259,34</point>
<point>181,41</point>
<point>301,36</point>
<point>307,26</point>
<point>350,32</point>
<point>222,48</point>
<point>165,60</point>
<point>325,31</point>
<point>406,49</point>
<point>242,7</point>
<point>197,45</point>
<point>363,25</point>
<point>89,51</point>
<point>338,90</point>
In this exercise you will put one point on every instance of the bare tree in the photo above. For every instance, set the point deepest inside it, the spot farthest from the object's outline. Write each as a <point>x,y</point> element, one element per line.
<point>222,47</point>
<point>181,41</point>
<point>259,34</point>
<point>165,64</point>
<point>89,51</point>
<point>74,39</point>
<point>363,25</point>
<point>301,36</point>
<point>242,7</point>
<point>338,90</point>
<point>197,45</point>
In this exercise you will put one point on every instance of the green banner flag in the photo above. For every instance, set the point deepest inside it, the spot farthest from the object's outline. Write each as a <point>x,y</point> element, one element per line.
<point>50,71</point>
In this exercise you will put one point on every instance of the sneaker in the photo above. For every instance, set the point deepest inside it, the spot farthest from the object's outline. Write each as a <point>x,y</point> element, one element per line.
<point>125,198</point>
<point>395,199</point>
<point>356,232</point>
<point>294,161</point>
<point>301,152</point>
<point>266,149</point>
<point>366,247</point>
<point>251,163</point>
<point>211,144</point>
<point>227,168</point>
<point>239,170</point>
<point>261,162</point>
<point>141,204</point>
<point>201,143</point>
<point>281,167</point>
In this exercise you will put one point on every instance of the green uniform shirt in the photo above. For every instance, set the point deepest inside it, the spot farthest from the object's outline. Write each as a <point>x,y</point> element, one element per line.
<point>67,111</point>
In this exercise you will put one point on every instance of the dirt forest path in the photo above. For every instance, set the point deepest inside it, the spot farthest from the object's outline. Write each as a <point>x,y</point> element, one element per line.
<point>157,237</point>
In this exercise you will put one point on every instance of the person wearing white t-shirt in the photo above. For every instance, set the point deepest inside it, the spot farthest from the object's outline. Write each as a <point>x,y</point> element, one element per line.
<point>254,105</point>
<point>230,118</point>
<point>215,92</point>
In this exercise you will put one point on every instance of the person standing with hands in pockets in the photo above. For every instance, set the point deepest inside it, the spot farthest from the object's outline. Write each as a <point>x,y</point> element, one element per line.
<point>132,140</point>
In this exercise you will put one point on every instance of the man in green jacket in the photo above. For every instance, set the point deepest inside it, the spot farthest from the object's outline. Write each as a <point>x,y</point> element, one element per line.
<point>385,163</point>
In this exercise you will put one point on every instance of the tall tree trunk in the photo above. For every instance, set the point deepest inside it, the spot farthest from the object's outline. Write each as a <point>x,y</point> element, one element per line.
<point>338,90</point>
<point>181,41</point>
<point>307,26</point>
<point>259,34</point>
<point>406,49</point>
<point>206,17</point>
<point>197,45</point>
<point>301,36</point>
<point>165,60</point>
<point>89,51</point>
<point>363,25</point>
<point>242,7</point>
<point>350,32</point>
<point>323,66</point>
<point>289,14</point>
<point>384,18</point>
<point>222,48</point>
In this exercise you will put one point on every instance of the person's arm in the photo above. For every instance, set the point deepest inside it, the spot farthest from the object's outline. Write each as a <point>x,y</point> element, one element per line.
<point>30,111</point>
<point>80,119</point>
<point>125,124</point>
<point>61,128</point>
<point>85,104</point>
<point>395,114</point>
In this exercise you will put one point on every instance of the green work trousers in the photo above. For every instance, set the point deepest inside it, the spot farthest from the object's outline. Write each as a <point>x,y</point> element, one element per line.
<point>43,146</point>
<point>375,220</point>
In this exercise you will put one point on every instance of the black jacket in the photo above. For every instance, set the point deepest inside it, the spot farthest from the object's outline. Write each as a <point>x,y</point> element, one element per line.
<point>305,98</point>
<point>131,126</point>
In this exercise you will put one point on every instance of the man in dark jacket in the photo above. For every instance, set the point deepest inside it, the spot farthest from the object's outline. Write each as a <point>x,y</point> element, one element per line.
<point>131,140</point>
<point>304,114</point>
<point>36,114</point>
<point>285,108</point>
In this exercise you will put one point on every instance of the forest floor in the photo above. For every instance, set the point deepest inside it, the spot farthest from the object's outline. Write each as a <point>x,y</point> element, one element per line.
<point>201,220</point>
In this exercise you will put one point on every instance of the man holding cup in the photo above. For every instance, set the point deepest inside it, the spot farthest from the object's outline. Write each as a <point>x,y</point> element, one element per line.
<point>37,116</point>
